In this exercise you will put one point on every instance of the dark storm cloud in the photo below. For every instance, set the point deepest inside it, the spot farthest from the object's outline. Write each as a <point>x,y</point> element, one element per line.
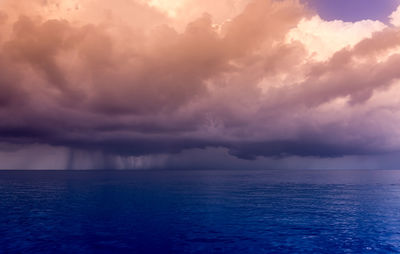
<point>137,85</point>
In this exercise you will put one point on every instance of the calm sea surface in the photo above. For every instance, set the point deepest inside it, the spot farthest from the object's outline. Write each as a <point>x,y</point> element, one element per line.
<point>200,211</point>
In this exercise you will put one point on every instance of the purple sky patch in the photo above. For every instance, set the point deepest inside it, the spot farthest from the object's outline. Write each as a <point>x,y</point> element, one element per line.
<point>354,10</point>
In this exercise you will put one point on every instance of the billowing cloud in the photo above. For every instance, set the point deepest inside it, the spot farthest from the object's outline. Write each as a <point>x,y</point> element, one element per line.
<point>133,82</point>
<point>323,38</point>
<point>395,17</point>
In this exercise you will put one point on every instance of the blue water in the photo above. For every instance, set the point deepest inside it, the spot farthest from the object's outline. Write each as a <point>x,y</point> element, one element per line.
<point>200,211</point>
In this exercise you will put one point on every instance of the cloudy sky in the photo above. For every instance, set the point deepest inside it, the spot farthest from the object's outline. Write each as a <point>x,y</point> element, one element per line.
<point>130,84</point>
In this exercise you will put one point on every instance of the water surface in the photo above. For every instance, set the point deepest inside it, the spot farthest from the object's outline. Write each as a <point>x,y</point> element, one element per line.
<point>200,211</point>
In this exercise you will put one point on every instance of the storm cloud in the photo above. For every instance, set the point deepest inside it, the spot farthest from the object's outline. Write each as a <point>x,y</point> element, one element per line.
<point>145,79</point>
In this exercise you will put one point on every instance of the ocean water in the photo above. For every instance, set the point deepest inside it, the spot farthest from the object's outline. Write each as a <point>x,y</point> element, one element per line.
<point>200,211</point>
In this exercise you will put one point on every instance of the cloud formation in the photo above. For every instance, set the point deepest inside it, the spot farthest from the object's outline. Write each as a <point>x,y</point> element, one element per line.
<point>134,80</point>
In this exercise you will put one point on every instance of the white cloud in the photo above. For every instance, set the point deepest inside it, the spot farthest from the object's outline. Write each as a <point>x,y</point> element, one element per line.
<point>323,38</point>
<point>395,17</point>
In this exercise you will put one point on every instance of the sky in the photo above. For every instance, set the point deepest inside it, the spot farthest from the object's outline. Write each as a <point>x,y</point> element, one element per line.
<point>243,84</point>
<point>354,10</point>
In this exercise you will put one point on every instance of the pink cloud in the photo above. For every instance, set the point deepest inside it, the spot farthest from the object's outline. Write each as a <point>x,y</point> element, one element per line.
<point>135,83</point>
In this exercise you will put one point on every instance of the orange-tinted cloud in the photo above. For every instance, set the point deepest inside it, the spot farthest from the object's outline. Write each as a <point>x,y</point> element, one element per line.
<point>130,78</point>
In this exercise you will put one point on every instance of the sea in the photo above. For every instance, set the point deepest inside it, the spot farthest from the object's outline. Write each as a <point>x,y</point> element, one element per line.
<point>200,211</point>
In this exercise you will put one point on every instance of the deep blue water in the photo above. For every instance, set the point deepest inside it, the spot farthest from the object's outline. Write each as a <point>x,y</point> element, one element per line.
<point>200,211</point>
